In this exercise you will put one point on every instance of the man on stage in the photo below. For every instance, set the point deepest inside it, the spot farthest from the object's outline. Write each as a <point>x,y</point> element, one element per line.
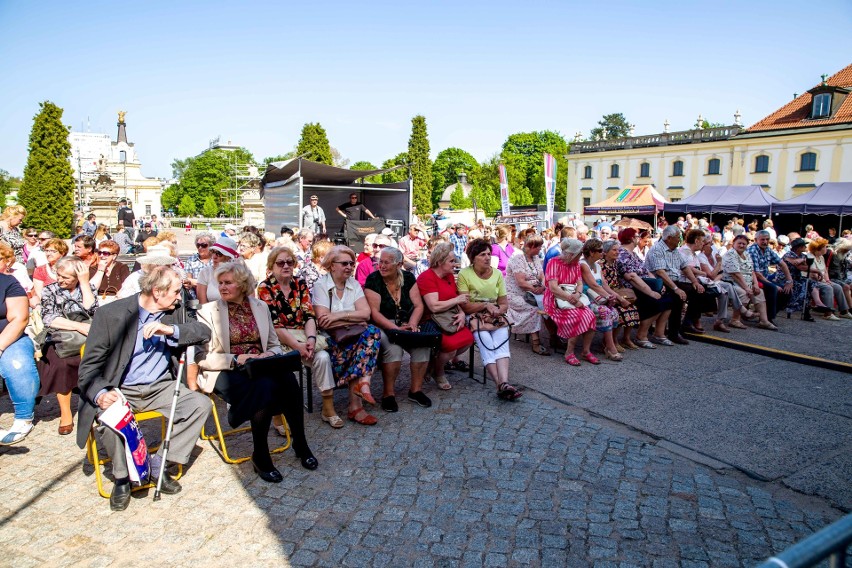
<point>353,209</point>
<point>313,217</point>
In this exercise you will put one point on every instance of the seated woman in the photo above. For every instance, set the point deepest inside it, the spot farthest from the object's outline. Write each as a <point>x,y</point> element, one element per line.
<point>339,303</point>
<point>711,265</point>
<point>693,244</point>
<point>71,294</point>
<point>109,275</point>
<point>438,287</point>
<point>487,305</point>
<point>628,314</point>
<point>44,275</point>
<point>838,270</point>
<point>525,276</point>
<point>395,303</point>
<point>289,301</point>
<point>242,330</point>
<point>502,250</point>
<point>576,322</point>
<point>17,362</point>
<point>797,264</point>
<point>223,251</point>
<point>603,299</point>
<point>654,308</point>
<point>739,271</point>
<point>312,270</point>
<point>823,290</point>
<point>250,246</point>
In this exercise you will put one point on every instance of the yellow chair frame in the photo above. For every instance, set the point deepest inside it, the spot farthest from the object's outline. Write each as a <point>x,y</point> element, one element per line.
<point>98,462</point>
<point>220,435</point>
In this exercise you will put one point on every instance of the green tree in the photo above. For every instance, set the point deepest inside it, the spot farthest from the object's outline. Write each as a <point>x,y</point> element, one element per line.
<point>170,198</point>
<point>397,175</point>
<point>7,185</point>
<point>458,200</point>
<point>611,126</point>
<point>705,124</point>
<point>523,155</point>
<point>363,165</point>
<point>448,165</point>
<point>47,190</point>
<point>486,186</point>
<point>314,145</point>
<point>210,208</point>
<point>279,158</point>
<point>421,165</point>
<point>186,207</point>
<point>208,174</point>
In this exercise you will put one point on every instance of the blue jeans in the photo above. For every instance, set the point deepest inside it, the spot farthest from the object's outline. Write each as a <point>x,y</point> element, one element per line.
<point>18,369</point>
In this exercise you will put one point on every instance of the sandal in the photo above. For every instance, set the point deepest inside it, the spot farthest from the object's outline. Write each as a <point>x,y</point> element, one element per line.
<point>614,356</point>
<point>572,360</point>
<point>508,392</point>
<point>619,348</point>
<point>363,392</point>
<point>737,324</point>
<point>334,421</point>
<point>645,344</point>
<point>459,366</point>
<point>443,383</point>
<point>361,416</point>
<point>590,357</point>
<point>632,346</point>
<point>542,350</point>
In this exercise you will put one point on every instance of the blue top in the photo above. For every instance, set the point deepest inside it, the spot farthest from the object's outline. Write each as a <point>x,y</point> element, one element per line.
<point>552,252</point>
<point>150,359</point>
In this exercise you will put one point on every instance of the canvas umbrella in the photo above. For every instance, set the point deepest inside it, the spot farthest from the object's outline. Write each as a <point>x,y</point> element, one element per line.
<point>626,222</point>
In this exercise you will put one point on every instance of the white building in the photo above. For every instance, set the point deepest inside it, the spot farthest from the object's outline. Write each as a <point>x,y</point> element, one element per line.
<point>107,170</point>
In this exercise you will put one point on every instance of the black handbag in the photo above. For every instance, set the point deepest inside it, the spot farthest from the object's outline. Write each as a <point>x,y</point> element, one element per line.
<point>68,343</point>
<point>411,339</point>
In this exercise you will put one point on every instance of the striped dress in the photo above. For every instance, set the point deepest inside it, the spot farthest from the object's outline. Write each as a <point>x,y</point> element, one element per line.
<point>569,323</point>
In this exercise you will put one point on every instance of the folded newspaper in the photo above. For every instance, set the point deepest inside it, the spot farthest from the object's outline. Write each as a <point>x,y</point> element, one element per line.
<point>120,419</point>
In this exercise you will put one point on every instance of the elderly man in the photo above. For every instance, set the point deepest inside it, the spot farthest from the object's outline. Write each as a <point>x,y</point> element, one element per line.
<point>130,347</point>
<point>411,244</point>
<point>84,249</point>
<point>763,256</point>
<point>459,240</point>
<point>313,217</point>
<point>304,239</point>
<point>664,260</point>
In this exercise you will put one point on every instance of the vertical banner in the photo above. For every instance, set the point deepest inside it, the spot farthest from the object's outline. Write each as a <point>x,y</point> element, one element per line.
<point>504,189</point>
<point>549,185</point>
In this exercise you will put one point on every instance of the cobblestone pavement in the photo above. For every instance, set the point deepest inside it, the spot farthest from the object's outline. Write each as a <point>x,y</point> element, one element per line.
<point>473,481</point>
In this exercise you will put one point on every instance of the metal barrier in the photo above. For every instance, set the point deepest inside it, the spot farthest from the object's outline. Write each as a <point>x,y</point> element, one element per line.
<point>831,542</point>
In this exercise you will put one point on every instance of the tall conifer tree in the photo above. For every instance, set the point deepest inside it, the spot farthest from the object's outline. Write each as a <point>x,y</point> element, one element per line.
<point>314,143</point>
<point>47,191</point>
<point>421,165</point>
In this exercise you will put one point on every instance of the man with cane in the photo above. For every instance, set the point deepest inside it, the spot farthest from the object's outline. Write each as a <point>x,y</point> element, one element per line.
<point>130,347</point>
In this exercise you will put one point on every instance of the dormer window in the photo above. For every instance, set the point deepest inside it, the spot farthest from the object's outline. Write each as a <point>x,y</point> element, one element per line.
<point>821,106</point>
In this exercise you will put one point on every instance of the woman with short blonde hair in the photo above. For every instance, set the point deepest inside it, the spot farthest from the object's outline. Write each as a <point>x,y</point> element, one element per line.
<point>10,220</point>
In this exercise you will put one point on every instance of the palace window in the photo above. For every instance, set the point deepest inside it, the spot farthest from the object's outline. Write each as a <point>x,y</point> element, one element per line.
<point>713,166</point>
<point>822,106</point>
<point>761,164</point>
<point>587,172</point>
<point>808,162</point>
<point>677,168</point>
<point>587,201</point>
<point>613,171</point>
<point>645,170</point>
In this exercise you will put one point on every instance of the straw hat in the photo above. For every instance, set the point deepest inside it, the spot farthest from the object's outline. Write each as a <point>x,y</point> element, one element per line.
<point>158,255</point>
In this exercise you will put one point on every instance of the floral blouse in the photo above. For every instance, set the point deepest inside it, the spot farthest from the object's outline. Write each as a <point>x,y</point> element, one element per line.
<point>54,299</point>
<point>14,239</point>
<point>291,307</point>
<point>629,262</point>
<point>244,336</point>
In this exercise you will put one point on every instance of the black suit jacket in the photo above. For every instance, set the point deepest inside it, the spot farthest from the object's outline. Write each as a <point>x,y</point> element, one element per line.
<point>109,348</point>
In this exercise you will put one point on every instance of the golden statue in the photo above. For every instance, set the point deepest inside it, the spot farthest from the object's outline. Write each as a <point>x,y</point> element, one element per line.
<point>121,114</point>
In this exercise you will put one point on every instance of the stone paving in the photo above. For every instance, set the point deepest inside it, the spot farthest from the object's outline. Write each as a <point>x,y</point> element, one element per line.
<point>473,481</point>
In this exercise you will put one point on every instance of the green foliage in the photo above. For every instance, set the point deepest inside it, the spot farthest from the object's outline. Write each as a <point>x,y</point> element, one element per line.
<point>314,145</point>
<point>707,124</point>
<point>362,165</point>
<point>448,165</point>
<point>486,186</point>
<point>523,155</point>
<point>458,200</point>
<point>47,190</point>
<point>210,208</point>
<point>170,198</point>
<point>611,126</point>
<point>279,158</point>
<point>207,175</point>
<point>400,174</point>
<point>7,185</point>
<point>421,165</point>
<point>186,207</point>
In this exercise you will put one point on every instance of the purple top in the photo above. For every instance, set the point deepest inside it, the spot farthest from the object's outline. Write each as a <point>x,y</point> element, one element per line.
<point>503,256</point>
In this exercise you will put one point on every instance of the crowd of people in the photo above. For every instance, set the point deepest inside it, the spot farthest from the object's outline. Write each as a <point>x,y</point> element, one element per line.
<point>246,295</point>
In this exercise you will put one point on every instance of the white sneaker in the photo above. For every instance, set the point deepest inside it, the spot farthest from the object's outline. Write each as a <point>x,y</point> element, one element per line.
<point>19,430</point>
<point>832,317</point>
<point>847,315</point>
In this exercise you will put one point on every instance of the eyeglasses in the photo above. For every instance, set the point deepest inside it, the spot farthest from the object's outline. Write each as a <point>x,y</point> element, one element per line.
<point>202,245</point>
<point>105,253</point>
<point>283,263</point>
<point>344,262</point>
<point>50,250</point>
<point>45,238</point>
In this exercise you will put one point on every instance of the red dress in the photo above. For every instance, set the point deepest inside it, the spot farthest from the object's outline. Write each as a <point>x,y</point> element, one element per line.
<point>569,323</point>
<point>429,282</point>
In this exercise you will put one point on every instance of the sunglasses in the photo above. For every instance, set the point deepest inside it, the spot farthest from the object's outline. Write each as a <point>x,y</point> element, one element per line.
<point>216,253</point>
<point>51,250</point>
<point>32,236</point>
<point>105,253</point>
<point>283,263</point>
<point>201,245</point>
<point>380,246</point>
<point>344,262</point>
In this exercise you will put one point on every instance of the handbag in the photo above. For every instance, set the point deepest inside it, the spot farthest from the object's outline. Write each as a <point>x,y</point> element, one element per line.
<point>67,343</point>
<point>445,320</point>
<point>626,293</point>
<point>411,339</point>
<point>565,304</point>
<point>656,284</point>
<point>346,335</point>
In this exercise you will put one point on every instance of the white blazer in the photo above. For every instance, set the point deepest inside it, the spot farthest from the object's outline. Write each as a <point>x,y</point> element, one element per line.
<point>215,356</point>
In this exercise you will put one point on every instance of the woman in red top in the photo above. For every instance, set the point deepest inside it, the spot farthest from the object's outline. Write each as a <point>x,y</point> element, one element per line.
<point>45,275</point>
<point>438,287</point>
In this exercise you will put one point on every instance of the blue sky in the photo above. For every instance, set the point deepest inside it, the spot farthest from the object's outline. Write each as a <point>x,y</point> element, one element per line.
<point>255,72</point>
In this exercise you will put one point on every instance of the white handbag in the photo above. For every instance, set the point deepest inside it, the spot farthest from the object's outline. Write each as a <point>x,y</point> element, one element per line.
<point>565,304</point>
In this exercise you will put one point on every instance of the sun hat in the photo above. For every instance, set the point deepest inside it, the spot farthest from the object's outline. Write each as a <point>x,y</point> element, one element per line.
<point>796,243</point>
<point>158,255</point>
<point>783,239</point>
<point>226,246</point>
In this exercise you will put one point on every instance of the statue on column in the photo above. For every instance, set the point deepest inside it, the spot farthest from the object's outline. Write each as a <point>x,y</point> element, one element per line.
<point>121,114</point>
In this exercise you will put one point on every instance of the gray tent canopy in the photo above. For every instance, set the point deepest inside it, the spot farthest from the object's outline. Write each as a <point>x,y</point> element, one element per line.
<point>829,198</point>
<point>742,199</point>
<point>315,173</point>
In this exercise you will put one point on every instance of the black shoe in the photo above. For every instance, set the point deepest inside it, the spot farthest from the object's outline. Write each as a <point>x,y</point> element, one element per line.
<point>308,460</point>
<point>420,398</point>
<point>678,339</point>
<point>689,328</point>
<point>120,498</point>
<point>169,486</point>
<point>389,404</point>
<point>271,476</point>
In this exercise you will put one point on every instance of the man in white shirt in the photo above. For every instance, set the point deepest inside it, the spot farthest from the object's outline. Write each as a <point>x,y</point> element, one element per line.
<point>313,217</point>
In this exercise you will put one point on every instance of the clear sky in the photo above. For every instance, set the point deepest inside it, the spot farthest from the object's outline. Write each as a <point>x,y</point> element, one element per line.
<point>255,72</point>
